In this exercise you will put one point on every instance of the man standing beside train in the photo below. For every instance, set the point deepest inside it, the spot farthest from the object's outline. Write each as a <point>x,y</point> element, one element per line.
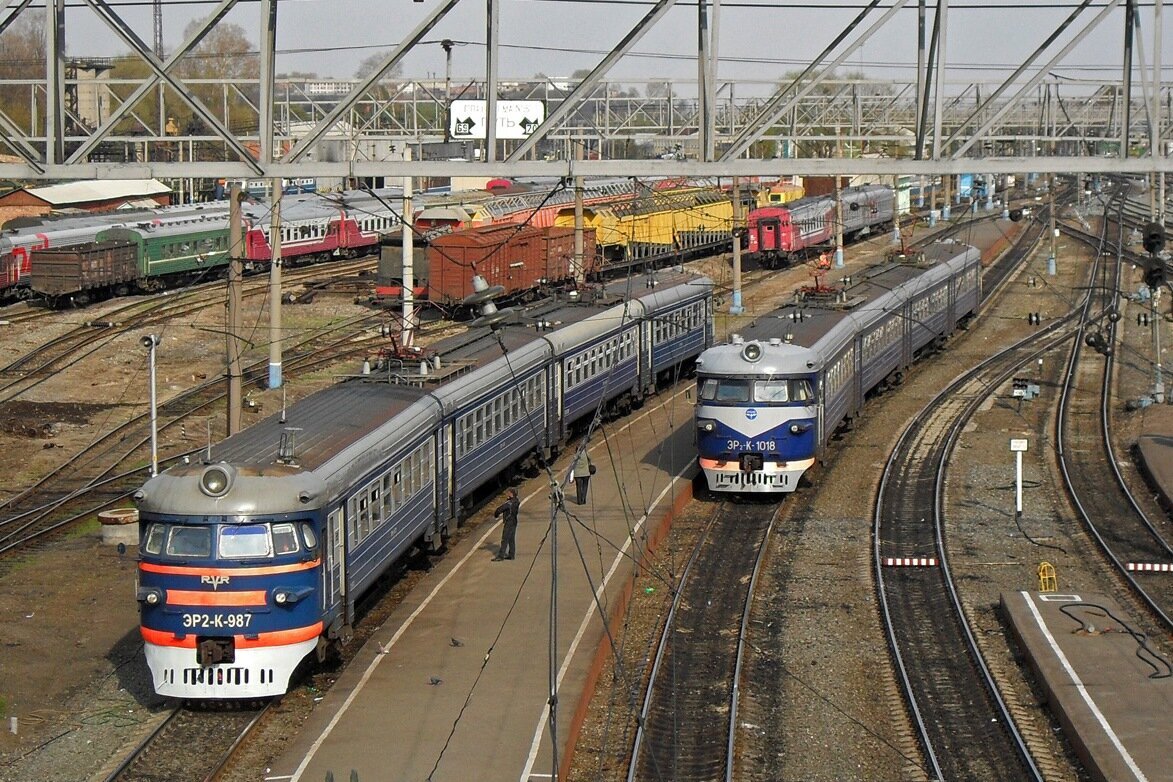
<point>508,509</point>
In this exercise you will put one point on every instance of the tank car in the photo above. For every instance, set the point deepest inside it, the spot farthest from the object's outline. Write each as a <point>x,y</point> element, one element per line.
<point>778,235</point>
<point>252,560</point>
<point>769,400</point>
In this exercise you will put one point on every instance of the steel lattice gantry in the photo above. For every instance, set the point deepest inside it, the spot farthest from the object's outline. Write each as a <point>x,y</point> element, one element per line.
<point>814,120</point>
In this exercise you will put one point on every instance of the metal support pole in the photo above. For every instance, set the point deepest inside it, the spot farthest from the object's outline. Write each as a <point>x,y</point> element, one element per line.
<point>1018,484</point>
<point>1158,375</point>
<point>408,247</point>
<point>579,261</point>
<point>150,342</point>
<point>235,275</point>
<point>275,379</point>
<point>1051,225</point>
<point>735,307</point>
<point>838,212</point>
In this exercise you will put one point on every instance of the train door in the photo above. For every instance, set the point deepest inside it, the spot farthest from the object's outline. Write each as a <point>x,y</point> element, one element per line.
<point>768,230</point>
<point>334,574</point>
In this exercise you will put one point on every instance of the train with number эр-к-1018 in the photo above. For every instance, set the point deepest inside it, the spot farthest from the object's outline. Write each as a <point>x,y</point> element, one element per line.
<point>251,560</point>
<point>769,400</point>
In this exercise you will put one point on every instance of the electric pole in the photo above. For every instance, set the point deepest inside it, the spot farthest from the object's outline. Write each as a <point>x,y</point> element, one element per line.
<point>235,274</point>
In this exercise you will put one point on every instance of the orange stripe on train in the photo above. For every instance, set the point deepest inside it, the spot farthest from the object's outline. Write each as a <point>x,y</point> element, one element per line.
<point>275,638</point>
<point>238,572</point>
<point>186,597</point>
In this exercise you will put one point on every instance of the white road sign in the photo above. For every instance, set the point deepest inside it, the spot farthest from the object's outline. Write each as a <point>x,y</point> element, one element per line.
<point>515,118</point>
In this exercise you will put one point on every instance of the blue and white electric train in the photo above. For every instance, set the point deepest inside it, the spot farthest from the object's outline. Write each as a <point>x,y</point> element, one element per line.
<point>769,400</point>
<point>253,559</point>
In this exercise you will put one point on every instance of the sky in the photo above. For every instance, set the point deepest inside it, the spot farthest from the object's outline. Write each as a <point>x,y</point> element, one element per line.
<point>759,40</point>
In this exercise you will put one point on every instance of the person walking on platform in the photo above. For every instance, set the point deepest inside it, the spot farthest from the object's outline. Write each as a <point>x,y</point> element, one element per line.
<point>508,509</point>
<point>582,472</point>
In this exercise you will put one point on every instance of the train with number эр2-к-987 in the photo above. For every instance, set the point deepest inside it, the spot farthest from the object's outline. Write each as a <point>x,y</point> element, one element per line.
<point>769,400</point>
<point>251,560</point>
<point>778,235</point>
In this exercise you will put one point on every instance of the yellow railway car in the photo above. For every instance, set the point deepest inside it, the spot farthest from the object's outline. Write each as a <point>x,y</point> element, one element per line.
<point>659,225</point>
<point>780,194</point>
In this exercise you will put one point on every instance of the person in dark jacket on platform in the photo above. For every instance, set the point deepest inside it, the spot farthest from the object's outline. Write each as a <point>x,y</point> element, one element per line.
<point>582,472</point>
<point>508,509</point>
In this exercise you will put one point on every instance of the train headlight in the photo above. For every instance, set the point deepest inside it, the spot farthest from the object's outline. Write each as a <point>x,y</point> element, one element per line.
<point>149,595</point>
<point>706,426</point>
<point>799,428</point>
<point>216,480</point>
<point>751,352</point>
<point>286,596</point>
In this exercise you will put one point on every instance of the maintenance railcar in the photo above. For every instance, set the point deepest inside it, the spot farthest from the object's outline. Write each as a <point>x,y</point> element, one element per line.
<point>769,400</point>
<point>253,558</point>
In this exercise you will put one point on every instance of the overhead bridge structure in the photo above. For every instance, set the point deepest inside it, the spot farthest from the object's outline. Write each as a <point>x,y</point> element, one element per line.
<point>916,110</point>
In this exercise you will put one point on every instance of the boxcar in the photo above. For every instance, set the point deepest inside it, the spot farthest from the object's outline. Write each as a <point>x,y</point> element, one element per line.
<point>85,271</point>
<point>519,258</point>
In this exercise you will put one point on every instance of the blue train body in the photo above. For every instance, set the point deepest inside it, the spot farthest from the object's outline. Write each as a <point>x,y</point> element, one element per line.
<point>769,400</point>
<point>253,559</point>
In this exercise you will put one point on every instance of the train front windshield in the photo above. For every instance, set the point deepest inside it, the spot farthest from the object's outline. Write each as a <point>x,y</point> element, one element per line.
<point>260,540</point>
<point>774,391</point>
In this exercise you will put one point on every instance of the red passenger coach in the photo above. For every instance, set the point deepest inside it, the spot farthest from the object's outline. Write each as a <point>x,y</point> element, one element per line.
<point>519,258</point>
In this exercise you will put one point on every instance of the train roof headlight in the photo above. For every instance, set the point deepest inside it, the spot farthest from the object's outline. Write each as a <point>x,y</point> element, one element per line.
<point>751,352</point>
<point>216,481</point>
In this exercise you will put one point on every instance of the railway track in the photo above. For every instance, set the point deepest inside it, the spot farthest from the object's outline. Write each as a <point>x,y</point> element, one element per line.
<point>964,728</point>
<point>37,365</point>
<point>1123,530</point>
<point>194,744</point>
<point>688,721</point>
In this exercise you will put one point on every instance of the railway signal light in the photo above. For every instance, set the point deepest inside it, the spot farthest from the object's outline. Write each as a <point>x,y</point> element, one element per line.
<point>1154,238</point>
<point>1095,340</point>
<point>1154,275</point>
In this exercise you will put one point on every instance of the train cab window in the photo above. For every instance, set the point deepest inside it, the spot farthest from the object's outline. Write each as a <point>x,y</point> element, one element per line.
<point>154,539</point>
<point>308,534</point>
<point>183,541</point>
<point>714,390</point>
<point>285,539</point>
<point>244,541</point>
<point>785,390</point>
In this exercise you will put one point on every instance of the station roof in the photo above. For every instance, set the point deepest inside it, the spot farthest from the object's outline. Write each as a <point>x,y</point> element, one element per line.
<point>68,193</point>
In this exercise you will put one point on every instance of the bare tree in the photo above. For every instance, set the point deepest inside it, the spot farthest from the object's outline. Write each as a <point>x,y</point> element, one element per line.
<point>368,66</point>
<point>22,56</point>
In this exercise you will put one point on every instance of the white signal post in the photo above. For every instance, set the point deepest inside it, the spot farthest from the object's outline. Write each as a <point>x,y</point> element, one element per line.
<point>1018,446</point>
<point>150,342</point>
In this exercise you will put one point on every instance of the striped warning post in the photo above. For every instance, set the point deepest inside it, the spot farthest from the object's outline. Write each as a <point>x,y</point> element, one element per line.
<point>1150,567</point>
<point>910,562</point>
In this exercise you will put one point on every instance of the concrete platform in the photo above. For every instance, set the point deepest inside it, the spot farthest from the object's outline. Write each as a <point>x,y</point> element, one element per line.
<point>1100,682</point>
<point>1154,454</point>
<point>455,686</point>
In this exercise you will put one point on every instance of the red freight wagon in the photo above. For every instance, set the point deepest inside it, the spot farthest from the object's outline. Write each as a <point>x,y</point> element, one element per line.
<point>520,258</point>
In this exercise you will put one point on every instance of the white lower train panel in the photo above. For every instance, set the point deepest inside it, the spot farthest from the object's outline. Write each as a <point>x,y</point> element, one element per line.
<point>772,478</point>
<point>257,673</point>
